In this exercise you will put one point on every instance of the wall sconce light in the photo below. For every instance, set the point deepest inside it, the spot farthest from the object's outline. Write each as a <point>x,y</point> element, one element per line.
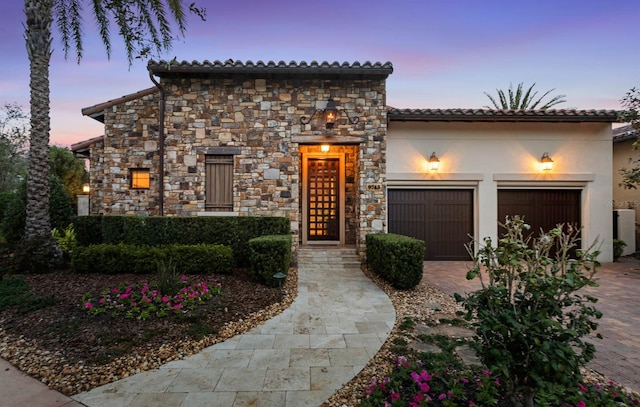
<point>325,148</point>
<point>86,188</point>
<point>434,162</point>
<point>330,114</point>
<point>546,163</point>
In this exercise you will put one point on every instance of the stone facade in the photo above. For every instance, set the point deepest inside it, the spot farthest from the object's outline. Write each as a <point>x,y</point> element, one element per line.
<point>257,119</point>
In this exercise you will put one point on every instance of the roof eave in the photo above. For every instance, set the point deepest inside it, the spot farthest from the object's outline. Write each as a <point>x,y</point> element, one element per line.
<point>270,70</point>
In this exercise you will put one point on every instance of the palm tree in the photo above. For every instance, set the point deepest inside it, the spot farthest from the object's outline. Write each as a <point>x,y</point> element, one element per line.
<point>143,26</point>
<point>518,101</point>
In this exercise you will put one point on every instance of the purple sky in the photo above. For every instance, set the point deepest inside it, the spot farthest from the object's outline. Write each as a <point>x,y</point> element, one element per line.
<point>445,53</point>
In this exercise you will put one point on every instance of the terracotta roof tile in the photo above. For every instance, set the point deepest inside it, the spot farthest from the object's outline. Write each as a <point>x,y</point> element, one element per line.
<point>232,67</point>
<point>491,115</point>
<point>97,111</point>
<point>624,133</point>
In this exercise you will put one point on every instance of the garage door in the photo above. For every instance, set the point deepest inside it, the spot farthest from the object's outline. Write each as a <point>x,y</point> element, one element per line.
<point>543,208</point>
<point>443,218</point>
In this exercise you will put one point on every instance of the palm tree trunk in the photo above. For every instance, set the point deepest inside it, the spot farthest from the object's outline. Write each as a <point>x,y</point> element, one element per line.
<point>38,41</point>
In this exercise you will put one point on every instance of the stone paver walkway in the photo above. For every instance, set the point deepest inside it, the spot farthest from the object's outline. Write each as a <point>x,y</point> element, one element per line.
<point>618,353</point>
<point>339,320</point>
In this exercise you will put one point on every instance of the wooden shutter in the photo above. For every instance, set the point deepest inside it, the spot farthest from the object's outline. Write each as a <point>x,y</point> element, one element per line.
<point>219,183</point>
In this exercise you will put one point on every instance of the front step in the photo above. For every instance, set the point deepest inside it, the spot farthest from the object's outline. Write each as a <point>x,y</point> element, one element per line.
<point>346,256</point>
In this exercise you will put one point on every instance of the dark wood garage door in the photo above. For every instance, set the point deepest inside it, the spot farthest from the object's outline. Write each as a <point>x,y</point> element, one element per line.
<point>542,208</point>
<point>443,218</point>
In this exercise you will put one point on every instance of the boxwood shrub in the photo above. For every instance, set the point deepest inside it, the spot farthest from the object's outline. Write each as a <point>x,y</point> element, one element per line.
<point>269,255</point>
<point>233,231</point>
<point>396,258</point>
<point>123,258</point>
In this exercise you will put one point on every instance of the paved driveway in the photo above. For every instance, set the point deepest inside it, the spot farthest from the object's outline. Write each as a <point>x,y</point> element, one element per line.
<point>618,354</point>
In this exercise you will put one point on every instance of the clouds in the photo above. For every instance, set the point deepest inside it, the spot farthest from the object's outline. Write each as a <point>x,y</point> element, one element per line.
<point>445,54</point>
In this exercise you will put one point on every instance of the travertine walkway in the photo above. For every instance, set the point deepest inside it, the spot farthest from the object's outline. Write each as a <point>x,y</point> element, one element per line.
<point>339,320</point>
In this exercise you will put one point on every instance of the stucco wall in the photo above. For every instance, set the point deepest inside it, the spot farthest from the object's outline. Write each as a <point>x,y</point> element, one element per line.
<point>486,156</point>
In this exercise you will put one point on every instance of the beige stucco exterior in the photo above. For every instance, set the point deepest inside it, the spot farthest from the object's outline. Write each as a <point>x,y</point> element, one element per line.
<point>487,156</point>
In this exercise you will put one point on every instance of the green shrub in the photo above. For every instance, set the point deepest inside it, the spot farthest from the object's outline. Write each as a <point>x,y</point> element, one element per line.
<point>531,314</point>
<point>5,199</point>
<point>618,248</point>
<point>270,255</point>
<point>233,231</point>
<point>66,240</point>
<point>168,278</point>
<point>123,258</point>
<point>88,230</point>
<point>201,258</point>
<point>397,259</point>
<point>61,210</point>
<point>37,255</point>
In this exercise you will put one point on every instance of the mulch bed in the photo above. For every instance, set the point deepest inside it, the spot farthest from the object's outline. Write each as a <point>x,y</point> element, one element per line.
<point>62,341</point>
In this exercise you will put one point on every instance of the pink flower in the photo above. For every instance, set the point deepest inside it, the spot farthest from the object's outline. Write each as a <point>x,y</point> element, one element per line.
<point>88,305</point>
<point>124,296</point>
<point>418,398</point>
<point>165,299</point>
<point>486,372</point>
<point>394,396</point>
<point>424,375</point>
<point>464,380</point>
<point>471,403</point>
<point>177,306</point>
<point>101,301</point>
<point>581,403</point>
<point>424,387</point>
<point>584,389</point>
<point>442,396</point>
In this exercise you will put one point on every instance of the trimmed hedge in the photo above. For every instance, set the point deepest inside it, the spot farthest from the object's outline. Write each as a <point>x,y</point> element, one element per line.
<point>122,258</point>
<point>396,258</point>
<point>233,231</point>
<point>270,255</point>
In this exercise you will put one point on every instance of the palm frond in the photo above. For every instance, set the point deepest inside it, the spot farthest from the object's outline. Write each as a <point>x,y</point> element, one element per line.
<point>493,101</point>
<point>519,99</point>
<point>503,99</point>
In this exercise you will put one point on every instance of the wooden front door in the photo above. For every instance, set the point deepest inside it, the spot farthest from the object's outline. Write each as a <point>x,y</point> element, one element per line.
<point>323,199</point>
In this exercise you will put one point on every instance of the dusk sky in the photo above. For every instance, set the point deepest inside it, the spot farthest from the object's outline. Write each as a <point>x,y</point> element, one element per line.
<point>445,53</point>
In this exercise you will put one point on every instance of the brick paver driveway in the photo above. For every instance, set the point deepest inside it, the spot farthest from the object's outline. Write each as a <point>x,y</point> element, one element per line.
<point>618,354</point>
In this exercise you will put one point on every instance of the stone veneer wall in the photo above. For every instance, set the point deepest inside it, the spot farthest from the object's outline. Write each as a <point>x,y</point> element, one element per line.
<point>130,141</point>
<point>257,116</point>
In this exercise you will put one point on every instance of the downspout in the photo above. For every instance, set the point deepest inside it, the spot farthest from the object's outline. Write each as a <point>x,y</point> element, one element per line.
<point>160,144</point>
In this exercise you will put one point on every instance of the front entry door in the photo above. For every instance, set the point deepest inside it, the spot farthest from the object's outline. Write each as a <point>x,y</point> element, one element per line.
<point>323,199</point>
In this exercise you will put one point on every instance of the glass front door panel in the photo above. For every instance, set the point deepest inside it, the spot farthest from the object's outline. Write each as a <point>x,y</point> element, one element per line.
<point>323,199</point>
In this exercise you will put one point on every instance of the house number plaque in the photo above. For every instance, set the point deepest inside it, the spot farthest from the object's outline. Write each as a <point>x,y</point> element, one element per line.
<point>374,187</point>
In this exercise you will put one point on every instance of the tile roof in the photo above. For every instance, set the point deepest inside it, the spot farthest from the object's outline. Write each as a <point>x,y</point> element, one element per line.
<point>97,111</point>
<point>231,68</point>
<point>82,147</point>
<point>624,133</point>
<point>492,115</point>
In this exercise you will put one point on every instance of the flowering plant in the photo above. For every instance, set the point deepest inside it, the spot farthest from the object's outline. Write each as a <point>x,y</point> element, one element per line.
<point>145,299</point>
<point>410,384</point>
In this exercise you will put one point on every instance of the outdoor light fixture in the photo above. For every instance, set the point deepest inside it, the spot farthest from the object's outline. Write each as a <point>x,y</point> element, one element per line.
<point>434,162</point>
<point>330,115</point>
<point>546,163</point>
<point>86,188</point>
<point>325,148</point>
<point>280,276</point>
